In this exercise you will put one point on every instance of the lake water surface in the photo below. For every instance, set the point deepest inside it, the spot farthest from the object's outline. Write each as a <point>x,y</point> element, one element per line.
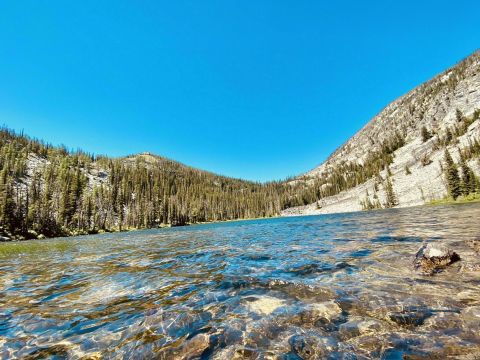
<point>335,286</point>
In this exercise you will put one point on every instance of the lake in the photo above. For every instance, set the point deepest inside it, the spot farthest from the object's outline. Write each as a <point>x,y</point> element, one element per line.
<point>331,286</point>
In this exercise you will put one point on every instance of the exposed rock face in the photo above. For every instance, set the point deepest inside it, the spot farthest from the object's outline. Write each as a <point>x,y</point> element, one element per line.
<point>432,105</point>
<point>432,258</point>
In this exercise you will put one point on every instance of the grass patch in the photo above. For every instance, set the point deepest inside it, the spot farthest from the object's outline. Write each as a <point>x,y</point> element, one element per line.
<point>460,200</point>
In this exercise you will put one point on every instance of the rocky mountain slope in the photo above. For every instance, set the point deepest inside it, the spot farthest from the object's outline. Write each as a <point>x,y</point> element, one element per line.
<point>397,159</point>
<point>440,114</point>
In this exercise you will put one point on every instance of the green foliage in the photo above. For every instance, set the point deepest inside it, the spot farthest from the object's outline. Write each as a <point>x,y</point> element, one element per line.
<point>368,204</point>
<point>451,173</point>
<point>391,197</point>
<point>469,182</point>
<point>57,198</point>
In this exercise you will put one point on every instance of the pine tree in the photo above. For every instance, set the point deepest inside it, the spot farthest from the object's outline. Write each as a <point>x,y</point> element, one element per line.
<point>469,181</point>
<point>425,134</point>
<point>453,180</point>
<point>391,197</point>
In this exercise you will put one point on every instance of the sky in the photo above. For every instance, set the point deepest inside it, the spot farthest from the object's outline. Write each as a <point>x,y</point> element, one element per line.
<point>259,90</point>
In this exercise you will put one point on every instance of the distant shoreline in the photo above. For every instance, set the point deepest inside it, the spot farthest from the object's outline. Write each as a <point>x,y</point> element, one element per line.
<point>446,201</point>
<point>5,239</point>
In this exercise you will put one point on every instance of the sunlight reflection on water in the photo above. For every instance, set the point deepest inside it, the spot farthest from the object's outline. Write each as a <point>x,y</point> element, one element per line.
<point>335,286</point>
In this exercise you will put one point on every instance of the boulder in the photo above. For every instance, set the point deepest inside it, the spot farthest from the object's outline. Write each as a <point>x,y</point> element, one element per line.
<point>433,258</point>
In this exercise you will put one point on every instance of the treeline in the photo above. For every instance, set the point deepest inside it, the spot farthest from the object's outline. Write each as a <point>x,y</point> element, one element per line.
<point>461,180</point>
<point>63,192</point>
<point>347,175</point>
<point>51,191</point>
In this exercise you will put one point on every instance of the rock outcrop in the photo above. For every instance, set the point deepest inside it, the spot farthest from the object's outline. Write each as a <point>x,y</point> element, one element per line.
<point>416,172</point>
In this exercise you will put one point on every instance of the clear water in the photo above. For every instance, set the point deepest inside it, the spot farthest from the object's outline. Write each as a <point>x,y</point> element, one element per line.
<point>335,286</point>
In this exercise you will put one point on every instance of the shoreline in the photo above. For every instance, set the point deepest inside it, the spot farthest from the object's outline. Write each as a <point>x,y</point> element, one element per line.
<point>446,201</point>
<point>6,239</point>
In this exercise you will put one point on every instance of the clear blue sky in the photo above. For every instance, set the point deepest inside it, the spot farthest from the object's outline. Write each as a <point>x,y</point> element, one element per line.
<point>252,89</point>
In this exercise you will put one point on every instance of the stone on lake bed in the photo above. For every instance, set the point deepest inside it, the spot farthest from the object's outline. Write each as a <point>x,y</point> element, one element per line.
<point>264,305</point>
<point>359,326</point>
<point>432,258</point>
<point>307,347</point>
<point>471,314</point>
<point>328,310</point>
<point>195,347</point>
<point>319,315</point>
<point>474,244</point>
<point>410,318</point>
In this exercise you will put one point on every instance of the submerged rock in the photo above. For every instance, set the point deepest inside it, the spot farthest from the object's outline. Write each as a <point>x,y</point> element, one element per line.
<point>474,244</point>
<point>328,310</point>
<point>321,315</point>
<point>306,347</point>
<point>470,267</point>
<point>359,326</point>
<point>433,258</point>
<point>410,318</point>
<point>195,347</point>
<point>264,305</point>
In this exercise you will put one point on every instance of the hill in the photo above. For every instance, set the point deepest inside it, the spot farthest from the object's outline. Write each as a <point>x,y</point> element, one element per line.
<point>398,158</point>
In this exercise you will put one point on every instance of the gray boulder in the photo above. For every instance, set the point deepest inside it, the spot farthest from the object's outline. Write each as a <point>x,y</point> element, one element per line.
<point>433,258</point>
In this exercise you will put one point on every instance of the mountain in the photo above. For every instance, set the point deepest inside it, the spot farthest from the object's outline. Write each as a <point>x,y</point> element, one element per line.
<point>398,158</point>
<point>422,147</point>
<point>49,191</point>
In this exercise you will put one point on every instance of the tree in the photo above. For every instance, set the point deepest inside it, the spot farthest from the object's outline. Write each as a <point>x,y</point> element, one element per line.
<point>448,137</point>
<point>391,198</point>
<point>459,115</point>
<point>453,180</point>
<point>469,181</point>
<point>425,134</point>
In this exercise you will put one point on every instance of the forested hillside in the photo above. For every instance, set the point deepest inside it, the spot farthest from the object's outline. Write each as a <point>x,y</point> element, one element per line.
<point>421,147</point>
<point>50,191</point>
<point>399,157</point>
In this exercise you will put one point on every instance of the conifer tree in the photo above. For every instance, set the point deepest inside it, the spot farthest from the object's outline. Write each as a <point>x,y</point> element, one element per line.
<point>469,181</point>
<point>425,134</point>
<point>453,180</point>
<point>391,198</point>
